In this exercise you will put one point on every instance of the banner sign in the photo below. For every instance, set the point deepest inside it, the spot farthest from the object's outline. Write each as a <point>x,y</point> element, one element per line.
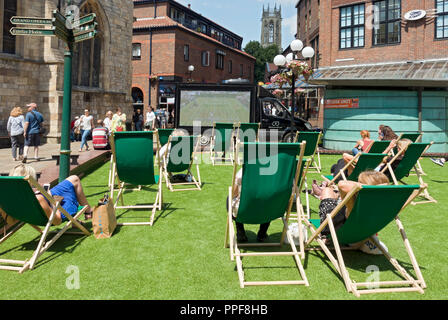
<point>341,103</point>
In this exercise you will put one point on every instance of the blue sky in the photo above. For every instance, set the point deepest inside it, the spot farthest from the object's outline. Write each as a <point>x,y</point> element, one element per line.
<point>243,17</point>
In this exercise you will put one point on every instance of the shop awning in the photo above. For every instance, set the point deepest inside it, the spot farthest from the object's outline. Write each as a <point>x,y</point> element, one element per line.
<point>408,73</point>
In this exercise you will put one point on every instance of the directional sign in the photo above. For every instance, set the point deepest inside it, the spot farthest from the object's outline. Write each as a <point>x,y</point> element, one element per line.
<point>32,32</point>
<point>30,20</point>
<point>85,29</point>
<point>85,36</point>
<point>87,19</point>
<point>61,27</point>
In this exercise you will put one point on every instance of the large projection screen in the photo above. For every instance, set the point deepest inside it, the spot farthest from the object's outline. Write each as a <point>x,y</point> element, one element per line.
<point>209,105</point>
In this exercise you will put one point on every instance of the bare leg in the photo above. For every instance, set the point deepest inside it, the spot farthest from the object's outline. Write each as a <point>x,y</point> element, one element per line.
<point>79,192</point>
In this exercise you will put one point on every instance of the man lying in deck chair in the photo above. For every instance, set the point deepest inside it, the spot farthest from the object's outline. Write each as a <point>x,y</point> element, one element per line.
<point>222,142</point>
<point>268,186</point>
<point>401,164</point>
<point>41,209</point>
<point>133,159</point>
<point>178,157</point>
<point>366,210</point>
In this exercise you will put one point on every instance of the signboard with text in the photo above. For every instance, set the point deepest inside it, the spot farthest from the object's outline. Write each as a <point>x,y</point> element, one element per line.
<point>341,103</point>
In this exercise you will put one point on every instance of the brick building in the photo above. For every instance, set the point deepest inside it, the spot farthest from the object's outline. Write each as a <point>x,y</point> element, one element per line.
<point>390,55</point>
<point>168,38</point>
<point>32,68</point>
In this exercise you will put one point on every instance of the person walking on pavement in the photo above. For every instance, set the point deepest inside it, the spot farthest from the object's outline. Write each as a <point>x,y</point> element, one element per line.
<point>15,127</point>
<point>32,131</point>
<point>87,126</point>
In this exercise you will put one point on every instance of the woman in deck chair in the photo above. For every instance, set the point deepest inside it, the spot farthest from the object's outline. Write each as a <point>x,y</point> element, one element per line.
<point>70,189</point>
<point>401,145</point>
<point>330,199</point>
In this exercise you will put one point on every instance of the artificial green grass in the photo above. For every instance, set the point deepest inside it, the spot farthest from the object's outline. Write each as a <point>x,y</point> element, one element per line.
<point>183,256</point>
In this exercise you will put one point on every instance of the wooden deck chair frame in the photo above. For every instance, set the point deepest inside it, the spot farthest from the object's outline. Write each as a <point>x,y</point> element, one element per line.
<point>410,284</point>
<point>425,193</point>
<point>238,131</point>
<point>160,145</point>
<point>314,164</point>
<point>23,265</point>
<point>122,187</point>
<point>236,254</point>
<point>341,172</point>
<point>195,181</point>
<point>418,166</point>
<point>215,159</point>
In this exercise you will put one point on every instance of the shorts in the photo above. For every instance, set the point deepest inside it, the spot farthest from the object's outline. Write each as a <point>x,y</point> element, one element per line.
<point>326,207</point>
<point>32,140</point>
<point>70,203</point>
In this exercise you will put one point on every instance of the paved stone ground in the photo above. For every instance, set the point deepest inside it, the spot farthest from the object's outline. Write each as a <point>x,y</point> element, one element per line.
<point>45,153</point>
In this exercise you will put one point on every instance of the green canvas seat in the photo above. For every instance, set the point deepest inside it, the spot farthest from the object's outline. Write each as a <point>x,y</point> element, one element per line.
<point>378,146</point>
<point>409,161</point>
<point>362,162</point>
<point>27,210</point>
<point>246,132</point>
<point>312,147</point>
<point>270,176</point>
<point>414,137</point>
<point>222,142</point>
<point>133,164</point>
<point>180,159</point>
<point>374,208</point>
<point>164,135</point>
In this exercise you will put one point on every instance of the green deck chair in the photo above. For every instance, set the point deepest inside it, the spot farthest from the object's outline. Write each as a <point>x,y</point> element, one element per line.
<point>222,142</point>
<point>134,165</point>
<point>312,147</point>
<point>269,185</point>
<point>246,132</point>
<point>374,208</point>
<point>414,152</point>
<point>362,162</point>
<point>18,200</point>
<point>179,159</point>
<point>414,137</point>
<point>163,135</point>
<point>378,146</point>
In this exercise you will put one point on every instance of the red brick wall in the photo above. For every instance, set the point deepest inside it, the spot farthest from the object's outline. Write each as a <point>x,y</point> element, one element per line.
<point>168,59</point>
<point>147,11</point>
<point>209,74</point>
<point>417,37</point>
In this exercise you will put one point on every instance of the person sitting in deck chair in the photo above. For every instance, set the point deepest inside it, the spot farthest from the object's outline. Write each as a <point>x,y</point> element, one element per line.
<point>240,232</point>
<point>70,189</point>
<point>330,199</point>
<point>401,146</point>
<point>364,144</point>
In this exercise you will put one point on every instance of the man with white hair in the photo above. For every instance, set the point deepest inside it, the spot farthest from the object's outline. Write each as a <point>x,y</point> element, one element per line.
<point>32,131</point>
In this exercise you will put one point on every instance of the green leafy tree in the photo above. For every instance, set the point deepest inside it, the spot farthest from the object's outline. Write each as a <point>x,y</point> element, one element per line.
<point>262,55</point>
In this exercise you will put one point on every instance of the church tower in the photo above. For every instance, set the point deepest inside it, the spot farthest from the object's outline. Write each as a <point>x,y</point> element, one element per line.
<point>271,27</point>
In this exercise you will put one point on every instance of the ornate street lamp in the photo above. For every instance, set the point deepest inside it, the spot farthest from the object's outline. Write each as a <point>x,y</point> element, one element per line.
<point>286,63</point>
<point>190,70</point>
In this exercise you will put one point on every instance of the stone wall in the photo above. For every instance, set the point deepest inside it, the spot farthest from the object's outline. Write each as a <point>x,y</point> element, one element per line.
<point>36,72</point>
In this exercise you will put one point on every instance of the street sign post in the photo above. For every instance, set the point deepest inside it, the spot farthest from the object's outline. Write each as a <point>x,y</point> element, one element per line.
<point>60,26</point>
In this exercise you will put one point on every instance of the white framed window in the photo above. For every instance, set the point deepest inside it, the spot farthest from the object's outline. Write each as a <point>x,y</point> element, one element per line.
<point>205,58</point>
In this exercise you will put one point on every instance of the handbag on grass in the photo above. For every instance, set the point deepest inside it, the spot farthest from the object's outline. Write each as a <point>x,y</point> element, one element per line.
<point>104,221</point>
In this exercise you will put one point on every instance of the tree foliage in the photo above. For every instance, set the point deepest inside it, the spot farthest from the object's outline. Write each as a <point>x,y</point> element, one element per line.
<point>262,55</point>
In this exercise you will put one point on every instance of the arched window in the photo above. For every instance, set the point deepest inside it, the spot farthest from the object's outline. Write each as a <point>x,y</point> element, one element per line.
<point>8,9</point>
<point>271,32</point>
<point>87,56</point>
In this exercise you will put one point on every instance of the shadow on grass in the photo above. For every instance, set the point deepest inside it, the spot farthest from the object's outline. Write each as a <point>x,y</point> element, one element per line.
<point>167,210</point>
<point>67,243</point>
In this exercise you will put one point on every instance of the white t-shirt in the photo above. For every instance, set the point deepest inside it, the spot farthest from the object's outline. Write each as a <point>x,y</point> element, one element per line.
<point>150,116</point>
<point>86,122</point>
<point>107,123</point>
